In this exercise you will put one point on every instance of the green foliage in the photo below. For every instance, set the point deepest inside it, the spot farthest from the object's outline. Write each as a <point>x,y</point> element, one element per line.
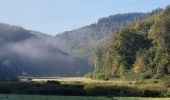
<point>140,50</point>
<point>81,42</point>
<point>100,75</point>
<point>139,64</point>
<point>88,75</point>
<point>166,81</point>
<point>78,89</point>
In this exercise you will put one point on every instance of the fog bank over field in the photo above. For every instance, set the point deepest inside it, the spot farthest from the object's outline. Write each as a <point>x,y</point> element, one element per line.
<point>22,51</point>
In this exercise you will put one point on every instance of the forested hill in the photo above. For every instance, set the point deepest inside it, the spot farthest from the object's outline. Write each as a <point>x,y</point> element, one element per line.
<point>139,51</point>
<point>22,51</point>
<point>80,42</point>
<point>39,54</point>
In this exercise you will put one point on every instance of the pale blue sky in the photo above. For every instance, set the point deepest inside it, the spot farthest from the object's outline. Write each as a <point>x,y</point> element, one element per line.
<point>55,16</point>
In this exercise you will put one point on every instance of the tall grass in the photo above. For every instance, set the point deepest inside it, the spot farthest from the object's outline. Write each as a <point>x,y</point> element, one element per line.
<point>87,87</point>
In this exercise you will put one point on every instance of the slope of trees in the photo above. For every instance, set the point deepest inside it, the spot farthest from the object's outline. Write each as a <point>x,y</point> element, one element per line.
<point>81,42</point>
<point>140,50</point>
<point>22,51</point>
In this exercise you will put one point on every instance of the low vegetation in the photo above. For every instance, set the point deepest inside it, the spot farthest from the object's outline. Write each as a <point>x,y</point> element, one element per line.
<point>42,97</point>
<point>87,87</point>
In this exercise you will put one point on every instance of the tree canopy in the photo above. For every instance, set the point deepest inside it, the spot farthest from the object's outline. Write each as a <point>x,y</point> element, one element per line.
<point>142,48</point>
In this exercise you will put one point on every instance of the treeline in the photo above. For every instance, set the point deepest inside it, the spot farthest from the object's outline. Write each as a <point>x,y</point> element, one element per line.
<point>139,51</point>
<point>81,42</point>
<point>20,50</point>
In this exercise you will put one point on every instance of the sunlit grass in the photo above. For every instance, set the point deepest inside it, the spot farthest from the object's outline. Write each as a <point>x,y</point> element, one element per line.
<point>82,80</point>
<point>153,85</point>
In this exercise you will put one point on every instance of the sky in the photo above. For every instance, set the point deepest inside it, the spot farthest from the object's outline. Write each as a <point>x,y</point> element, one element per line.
<point>56,16</point>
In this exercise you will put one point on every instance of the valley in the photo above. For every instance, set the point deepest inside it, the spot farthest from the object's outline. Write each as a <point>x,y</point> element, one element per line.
<point>122,55</point>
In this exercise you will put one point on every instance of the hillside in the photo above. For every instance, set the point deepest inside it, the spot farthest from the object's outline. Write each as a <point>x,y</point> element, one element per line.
<point>81,42</point>
<point>39,54</point>
<point>48,38</point>
<point>23,51</point>
<point>139,51</point>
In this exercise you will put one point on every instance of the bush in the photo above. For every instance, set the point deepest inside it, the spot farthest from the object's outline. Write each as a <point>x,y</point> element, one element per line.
<point>88,75</point>
<point>53,82</point>
<point>102,74</point>
<point>146,75</point>
<point>150,93</point>
<point>131,75</point>
<point>167,93</point>
<point>166,81</point>
<point>101,90</point>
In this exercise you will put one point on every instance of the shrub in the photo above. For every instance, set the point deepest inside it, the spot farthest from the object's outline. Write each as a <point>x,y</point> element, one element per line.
<point>88,75</point>
<point>100,76</point>
<point>166,81</point>
<point>53,82</point>
<point>151,93</point>
<point>168,93</point>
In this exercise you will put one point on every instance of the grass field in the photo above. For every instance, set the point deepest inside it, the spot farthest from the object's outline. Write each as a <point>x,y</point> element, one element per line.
<point>151,85</point>
<point>81,80</point>
<point>117,82</point>
<point>77,88</point>
<point>77,79</point>
<point>41,97</point>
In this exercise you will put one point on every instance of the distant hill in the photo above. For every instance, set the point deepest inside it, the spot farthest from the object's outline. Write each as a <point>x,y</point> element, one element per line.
<point>139,51</point>
<point>9,33</point>
<point>81,42</point>
<point>20,50</point>
<point>41,35</point>
<point>65,54</point>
